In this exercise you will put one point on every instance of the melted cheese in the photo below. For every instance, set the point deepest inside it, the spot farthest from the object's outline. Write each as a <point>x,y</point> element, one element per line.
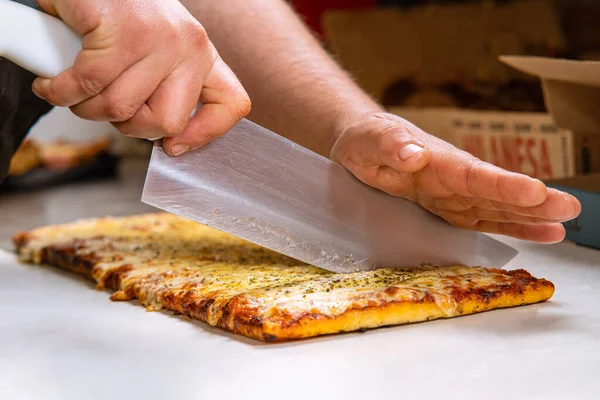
<point>170,258</point>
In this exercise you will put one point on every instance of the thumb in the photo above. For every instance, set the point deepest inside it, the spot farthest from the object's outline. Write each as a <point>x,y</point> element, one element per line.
<point>400,150</point>
<point>48,6</point>
<point>83,16</point>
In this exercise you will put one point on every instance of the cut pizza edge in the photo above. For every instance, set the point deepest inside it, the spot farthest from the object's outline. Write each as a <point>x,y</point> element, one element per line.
<point>525,290</point>
<point>389,315</point>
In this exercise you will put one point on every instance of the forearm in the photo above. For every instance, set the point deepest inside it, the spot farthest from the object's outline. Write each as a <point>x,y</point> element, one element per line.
<point>296,89</point>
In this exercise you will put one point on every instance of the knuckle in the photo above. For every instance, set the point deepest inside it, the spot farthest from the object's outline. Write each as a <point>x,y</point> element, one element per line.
<point>172,126</point>
<point>394,138</point>
<point>238,103</point>
<point>172,36</point>
<point>471,176</point>
<point>381,116</point>
<point>388,139</point>
<point>458,204</point>
<point>89,84</point>
<point>503,216</point>
<point>462,206</point>
<point>496,205</point>
<point>498,184</point>
<point>242,107</point>
<point>119,111</point>
<point>393,132</point>
<point>198,36</point>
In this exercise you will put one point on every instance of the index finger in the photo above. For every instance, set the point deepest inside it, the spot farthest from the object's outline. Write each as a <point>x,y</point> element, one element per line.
<point>224,104</point>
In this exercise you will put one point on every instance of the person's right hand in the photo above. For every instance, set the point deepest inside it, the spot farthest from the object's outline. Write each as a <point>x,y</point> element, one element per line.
<point>143,67</point>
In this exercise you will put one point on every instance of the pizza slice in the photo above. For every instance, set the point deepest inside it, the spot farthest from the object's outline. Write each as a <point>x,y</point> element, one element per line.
<point>26,158</point>
<point>167,262</point>
<point>63,155</point>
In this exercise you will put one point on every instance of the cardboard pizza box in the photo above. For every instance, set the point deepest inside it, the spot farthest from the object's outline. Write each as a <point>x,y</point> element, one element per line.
<point>523,142</point>
<point>572,96</point>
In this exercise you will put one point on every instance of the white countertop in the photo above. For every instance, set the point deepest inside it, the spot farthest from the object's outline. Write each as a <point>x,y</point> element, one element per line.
<point>62,339</point>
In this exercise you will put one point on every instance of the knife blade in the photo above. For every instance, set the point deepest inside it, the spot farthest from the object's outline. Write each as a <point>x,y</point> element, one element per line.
<point>261,187</point>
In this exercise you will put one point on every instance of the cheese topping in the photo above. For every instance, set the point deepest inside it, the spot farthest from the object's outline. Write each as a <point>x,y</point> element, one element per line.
<point>166,261</point>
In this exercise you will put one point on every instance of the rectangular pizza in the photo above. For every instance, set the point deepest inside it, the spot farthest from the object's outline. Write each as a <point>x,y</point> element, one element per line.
<point>167,262</point>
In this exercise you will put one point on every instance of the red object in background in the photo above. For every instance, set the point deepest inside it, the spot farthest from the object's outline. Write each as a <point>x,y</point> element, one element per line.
<point>312,10</point>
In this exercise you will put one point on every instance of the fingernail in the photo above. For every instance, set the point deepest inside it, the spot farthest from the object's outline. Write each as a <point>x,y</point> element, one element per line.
<point>35,91</point>
<point>179,149</point>
<point>409,151</point>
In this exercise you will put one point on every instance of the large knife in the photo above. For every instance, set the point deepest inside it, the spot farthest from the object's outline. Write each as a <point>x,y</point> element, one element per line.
<point>261,187</point>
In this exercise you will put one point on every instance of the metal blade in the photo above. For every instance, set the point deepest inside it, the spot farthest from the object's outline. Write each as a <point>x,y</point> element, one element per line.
<point>261,187</point>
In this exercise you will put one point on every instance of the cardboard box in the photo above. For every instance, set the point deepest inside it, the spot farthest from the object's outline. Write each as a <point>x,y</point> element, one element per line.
<point>441,43</point>
<point>572,96</point>
<point>527,143</point>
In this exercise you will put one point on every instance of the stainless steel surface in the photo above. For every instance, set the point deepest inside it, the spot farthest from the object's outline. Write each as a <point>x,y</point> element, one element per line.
<point>261,187</point>
<point>116,197</point>
<point>60,339</point>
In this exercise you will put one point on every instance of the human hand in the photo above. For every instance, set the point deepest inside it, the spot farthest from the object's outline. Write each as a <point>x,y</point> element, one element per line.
<point>143,67</point>
<point>391,154</point>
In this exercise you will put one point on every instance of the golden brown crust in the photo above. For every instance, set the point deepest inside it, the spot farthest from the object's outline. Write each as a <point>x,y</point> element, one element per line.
<point>248,298</point>
<point>528,290</point>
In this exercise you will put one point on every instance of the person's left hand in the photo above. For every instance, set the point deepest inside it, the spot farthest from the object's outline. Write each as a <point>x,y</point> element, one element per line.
<point>391,154</point>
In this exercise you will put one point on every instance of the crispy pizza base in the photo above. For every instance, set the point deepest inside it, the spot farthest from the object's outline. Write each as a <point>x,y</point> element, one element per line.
<point>167,262</point>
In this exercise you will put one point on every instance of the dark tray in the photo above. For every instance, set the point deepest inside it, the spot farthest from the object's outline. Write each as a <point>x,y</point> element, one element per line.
<point>101,167</point>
